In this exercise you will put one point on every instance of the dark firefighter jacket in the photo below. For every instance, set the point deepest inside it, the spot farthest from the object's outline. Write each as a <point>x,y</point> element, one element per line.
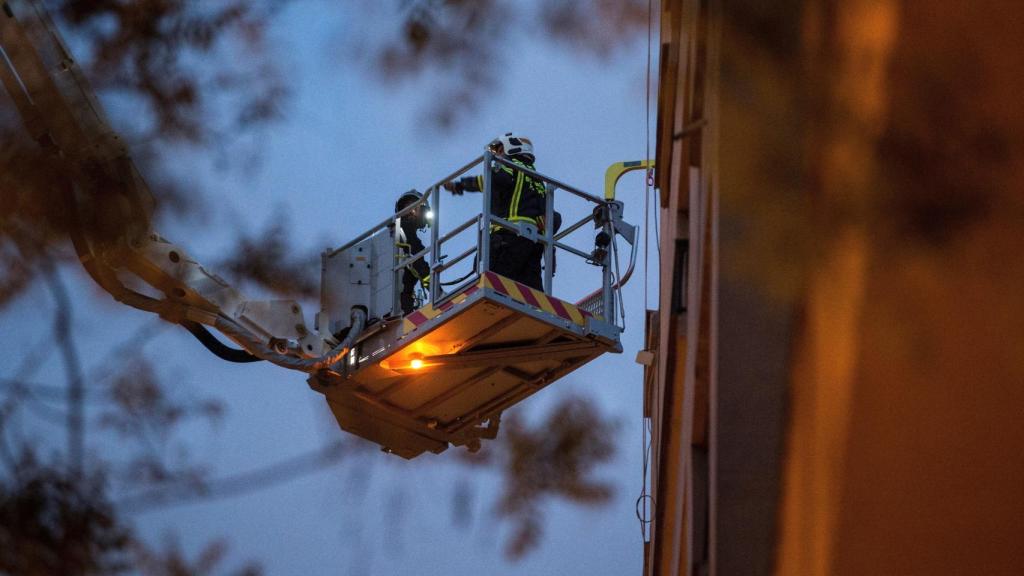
<point>515,196</point>
<point>412,246</point>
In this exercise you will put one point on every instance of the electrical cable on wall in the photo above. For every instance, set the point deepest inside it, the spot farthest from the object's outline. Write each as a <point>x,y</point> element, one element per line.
<point>645,500</point>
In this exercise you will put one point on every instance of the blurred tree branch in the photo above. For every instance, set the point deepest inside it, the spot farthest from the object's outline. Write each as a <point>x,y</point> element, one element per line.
<point>556,458</point>
<point>172,560</point>
<point>469,42</point>
<point>269,260</point>
<point>62,330</point>
<point>53,523</point>
<point>333,453</point>
<point>56,518</point>
<point>152,49</point>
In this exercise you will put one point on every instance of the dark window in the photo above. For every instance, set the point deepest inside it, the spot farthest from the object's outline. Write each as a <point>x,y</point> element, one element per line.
<point>679,274</point>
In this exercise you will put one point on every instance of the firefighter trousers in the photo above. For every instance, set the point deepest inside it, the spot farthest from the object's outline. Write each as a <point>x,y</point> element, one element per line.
<point>517,258</point>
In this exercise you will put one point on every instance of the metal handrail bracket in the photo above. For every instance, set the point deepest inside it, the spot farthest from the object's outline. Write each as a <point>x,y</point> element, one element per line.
<point>408,209</point>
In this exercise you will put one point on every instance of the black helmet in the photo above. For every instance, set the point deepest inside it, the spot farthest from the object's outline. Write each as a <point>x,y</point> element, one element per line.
<point>424,214</point>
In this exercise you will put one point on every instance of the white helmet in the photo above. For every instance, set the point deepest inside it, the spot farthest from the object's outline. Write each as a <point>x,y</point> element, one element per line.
<point>512,145</point>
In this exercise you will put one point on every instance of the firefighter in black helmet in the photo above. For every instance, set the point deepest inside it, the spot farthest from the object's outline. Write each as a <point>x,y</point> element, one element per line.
<point>517,198</point>
<point>409,244</point>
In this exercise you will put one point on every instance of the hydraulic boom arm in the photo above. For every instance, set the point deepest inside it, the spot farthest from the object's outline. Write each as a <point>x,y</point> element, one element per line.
<point>112,235</point>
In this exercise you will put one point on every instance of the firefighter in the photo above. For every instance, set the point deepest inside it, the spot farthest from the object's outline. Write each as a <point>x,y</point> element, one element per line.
<point>517,198</point>
<point>409,244</point>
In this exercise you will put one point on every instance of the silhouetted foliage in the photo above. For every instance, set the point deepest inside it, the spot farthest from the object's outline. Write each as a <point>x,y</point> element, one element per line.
<point>945,161</point>
<point>461,38</point>
<point>173,561</point>
<point>151,49</point>
<point>556,458</point>
<point>149,52</point>
<point>270,259</point>
<point>598,27</point>
<point>32,194</point>
<point>56,519</point>
<point>53,523</point>
<point>143,413</point>
<point>469,42</point>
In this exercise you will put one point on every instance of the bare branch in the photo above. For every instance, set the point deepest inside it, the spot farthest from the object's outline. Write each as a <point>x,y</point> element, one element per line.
<point>72,367</point>
<point>239,484</point>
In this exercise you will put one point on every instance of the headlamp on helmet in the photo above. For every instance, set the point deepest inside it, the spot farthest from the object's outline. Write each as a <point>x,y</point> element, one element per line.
<point>423,215</point>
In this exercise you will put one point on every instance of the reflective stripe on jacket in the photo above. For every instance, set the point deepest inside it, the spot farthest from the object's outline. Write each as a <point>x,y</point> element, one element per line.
<point>515,196</point>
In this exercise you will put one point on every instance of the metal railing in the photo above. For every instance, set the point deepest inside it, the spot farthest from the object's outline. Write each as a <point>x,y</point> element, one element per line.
<point>549,239</point>
<point>486,222</point>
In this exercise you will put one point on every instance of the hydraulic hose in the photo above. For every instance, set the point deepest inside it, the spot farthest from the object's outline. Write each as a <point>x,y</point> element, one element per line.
<point>259,349</point>
<point>219,349</point>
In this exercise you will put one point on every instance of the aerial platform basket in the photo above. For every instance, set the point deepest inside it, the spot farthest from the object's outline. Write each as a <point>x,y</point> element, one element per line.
<point>444,373</point>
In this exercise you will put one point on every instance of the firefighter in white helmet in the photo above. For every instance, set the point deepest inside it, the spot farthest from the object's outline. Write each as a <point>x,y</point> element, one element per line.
<point>517,198</point>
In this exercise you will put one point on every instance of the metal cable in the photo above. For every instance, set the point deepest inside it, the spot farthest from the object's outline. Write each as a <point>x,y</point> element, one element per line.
<point>645,499</point>
<point>618,283</point>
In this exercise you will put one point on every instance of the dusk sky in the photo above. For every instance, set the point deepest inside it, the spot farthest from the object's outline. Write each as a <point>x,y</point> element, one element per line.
<point>348,144</point>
